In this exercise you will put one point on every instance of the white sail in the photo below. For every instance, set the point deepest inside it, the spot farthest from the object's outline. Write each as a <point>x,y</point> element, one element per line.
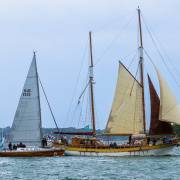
<point>169,106</point>
<point>2,140</point>
<point>26,126</point>
<point>126,115</point>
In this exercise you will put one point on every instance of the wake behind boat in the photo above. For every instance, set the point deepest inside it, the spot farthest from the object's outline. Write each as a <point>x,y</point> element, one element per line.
<point>26,137</point>
<point>128,116</point>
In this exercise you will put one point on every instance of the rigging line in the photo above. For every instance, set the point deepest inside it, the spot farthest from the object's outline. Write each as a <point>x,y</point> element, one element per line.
<point>114,21</point>
<point>133,58</point>
<point>160,44</point>
<point>77,81</point>
<point>80,115</point>
<point>48,104</point>
<point>125,58</point>
<point>75,109</point>
<point>83,92</point>
<point>97,114</point>
<point>135,78</point>
<point>86,113</point>
<point>171,108</point>
<point>161,56</point>
<point>168,57</point>
<point>73,114</point>
<point>149,58</point>
<point>165,66</point>
<point>135,110</point>
<point>111,43</point>
<point>97,120</point>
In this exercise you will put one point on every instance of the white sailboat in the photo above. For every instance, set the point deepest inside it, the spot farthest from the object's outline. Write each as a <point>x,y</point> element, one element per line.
<point>26,129</point>
<point>2,140</point>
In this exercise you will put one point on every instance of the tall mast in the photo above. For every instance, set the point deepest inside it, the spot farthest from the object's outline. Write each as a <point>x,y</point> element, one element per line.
<point>39,103</point>
<point>141,62</point>
<point>91,80</point>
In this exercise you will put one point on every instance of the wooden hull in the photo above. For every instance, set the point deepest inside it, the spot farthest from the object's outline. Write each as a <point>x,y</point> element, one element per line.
<point>33,153</point>
<point>157,150</point>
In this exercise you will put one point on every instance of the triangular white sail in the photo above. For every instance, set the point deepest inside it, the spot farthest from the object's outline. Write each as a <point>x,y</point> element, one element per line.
<point>126,115</point>
<point>169,106</point>
<point>26,126</point>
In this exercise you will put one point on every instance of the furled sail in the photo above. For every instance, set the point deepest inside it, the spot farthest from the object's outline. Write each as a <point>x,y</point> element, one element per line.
<point>157,127</point>
<point>169,107</point>
<point>26,126</point>
<point>126,115</point>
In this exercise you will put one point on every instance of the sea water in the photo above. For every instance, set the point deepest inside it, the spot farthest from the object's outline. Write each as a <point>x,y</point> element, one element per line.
<point>95,168</point>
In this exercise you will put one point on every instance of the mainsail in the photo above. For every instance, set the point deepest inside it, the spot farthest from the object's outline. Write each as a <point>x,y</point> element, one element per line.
<point>126,115</point>
<point>26,126</point>
<point>157,127</point>
<point>2,140</point>
<point>169,107</point>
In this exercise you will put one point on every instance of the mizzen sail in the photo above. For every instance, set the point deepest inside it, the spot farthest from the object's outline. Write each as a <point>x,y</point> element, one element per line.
<point>26,126</point>
<point>157,127</point>
<point>169,107</point>
<point>126,115</point>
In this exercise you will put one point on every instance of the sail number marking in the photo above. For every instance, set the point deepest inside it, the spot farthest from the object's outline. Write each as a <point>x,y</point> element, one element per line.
<point>27,92</point>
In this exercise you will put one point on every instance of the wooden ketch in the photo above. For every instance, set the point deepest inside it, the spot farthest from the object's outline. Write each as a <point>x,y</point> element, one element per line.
<point>128,116</point>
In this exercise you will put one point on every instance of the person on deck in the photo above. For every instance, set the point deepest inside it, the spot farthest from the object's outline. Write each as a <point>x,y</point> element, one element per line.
<point>10,146</point>
<point>14,147</point>
<point>115,145</point>
<point>44,142</point>
<point>148,140</point>
<point>154,141</point>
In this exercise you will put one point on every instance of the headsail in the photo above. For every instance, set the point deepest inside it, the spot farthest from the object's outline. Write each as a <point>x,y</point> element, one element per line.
<point>169,107</point>
<point>157,127</point>
<point>126,115</point>
<point>26,126</point>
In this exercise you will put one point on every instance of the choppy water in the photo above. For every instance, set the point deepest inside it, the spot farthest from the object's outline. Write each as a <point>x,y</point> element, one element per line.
<point>90,168</point>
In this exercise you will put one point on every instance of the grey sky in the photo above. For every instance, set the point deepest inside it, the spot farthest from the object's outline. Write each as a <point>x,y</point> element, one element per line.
<point>58,30</point>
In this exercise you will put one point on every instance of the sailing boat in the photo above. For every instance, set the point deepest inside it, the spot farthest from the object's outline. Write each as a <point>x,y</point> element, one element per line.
<point>26,129</point>
<point>128,116</point>
<point>2,140</point>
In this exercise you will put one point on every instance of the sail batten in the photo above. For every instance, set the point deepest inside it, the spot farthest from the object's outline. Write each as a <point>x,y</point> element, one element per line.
<point>169,106</point>
<point>126,116</point>
<point>26,127</point>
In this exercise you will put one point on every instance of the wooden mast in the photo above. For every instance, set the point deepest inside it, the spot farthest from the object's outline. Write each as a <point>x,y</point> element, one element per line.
<point>141,62</point>
<point>91,80</point>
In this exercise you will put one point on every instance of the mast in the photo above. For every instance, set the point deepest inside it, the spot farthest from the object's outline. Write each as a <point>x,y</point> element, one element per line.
<point>91,81</point>
<point>141,62</point>
<point>39,103</point>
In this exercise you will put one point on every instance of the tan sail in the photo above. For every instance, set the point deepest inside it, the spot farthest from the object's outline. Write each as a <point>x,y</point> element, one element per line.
<point>126,115</point>
<point>169,107</point>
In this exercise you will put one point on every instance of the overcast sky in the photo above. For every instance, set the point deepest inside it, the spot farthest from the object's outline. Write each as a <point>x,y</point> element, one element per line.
<point>58,31</point>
